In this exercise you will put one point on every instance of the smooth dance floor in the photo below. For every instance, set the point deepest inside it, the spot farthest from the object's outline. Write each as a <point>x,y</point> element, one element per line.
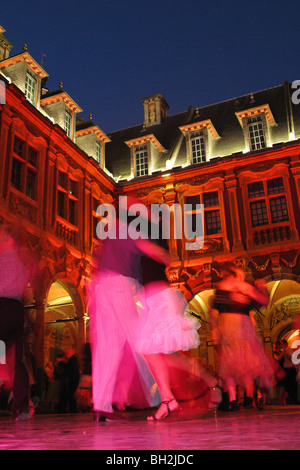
<point>274,428</point>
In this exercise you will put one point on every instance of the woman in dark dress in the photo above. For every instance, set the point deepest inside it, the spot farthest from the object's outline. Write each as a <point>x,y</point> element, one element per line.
<point>243,360</point>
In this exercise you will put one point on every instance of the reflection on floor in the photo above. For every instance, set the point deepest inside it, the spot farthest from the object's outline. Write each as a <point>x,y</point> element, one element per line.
<point>274,428</point>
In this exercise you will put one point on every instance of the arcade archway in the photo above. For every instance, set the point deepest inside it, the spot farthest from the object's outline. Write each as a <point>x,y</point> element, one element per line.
<point>61,321</point>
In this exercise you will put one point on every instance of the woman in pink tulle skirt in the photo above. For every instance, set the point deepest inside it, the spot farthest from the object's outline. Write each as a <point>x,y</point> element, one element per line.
<point>166,330</point>
<point>243,359</point>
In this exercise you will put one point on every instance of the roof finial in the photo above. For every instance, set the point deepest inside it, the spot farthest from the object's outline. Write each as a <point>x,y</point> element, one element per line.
<point>25,46</point>
<point>252,99</point>
<point>60,84</point>
<point>91,117</point>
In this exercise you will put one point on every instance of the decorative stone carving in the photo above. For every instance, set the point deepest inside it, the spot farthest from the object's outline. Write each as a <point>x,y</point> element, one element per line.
<point>285,310</point>
<point>19,206</point>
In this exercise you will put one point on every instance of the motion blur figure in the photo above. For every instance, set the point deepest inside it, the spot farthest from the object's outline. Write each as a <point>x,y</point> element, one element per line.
<point>243,360</point>
<point>119,374</point>
<point>14,276</point>
<point>166,331</point>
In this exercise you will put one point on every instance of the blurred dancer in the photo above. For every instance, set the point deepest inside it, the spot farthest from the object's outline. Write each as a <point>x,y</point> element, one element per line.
<point>243,359</point>
<point>13,281</point>
<point>166,330</point>
<point>114,324</point>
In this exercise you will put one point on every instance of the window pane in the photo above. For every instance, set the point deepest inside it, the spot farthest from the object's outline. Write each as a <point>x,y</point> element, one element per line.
<point>256,133</point>
<point>32,157</point>
<point>18,146</point>
<point>68,123</point>
<point>211,199</point>
<point>141,161</point>
<point>198,148</point>
<point>256,189</point>
<point>30,87</point>
<point>72,211</point>
<point>31,184</point>
<point>16,174</point>
<point>275,186</point>
<point>279,209</point>
<point>193,200</point>
<point>62,179</point>
<point>98,152</point>
<point>61,204</point>
<point>73,187</point>
<point>213,222</point>
<point>259,213</point>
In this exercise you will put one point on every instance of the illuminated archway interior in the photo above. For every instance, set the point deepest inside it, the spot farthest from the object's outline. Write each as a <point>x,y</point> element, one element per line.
<point>60,322</point>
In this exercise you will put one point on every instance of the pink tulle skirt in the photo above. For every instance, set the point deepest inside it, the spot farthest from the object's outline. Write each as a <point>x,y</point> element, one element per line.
<point>165,326</point>
<point>242,352</point>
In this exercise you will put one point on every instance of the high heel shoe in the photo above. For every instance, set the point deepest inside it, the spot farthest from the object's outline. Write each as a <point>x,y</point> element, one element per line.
<point>166,413</point>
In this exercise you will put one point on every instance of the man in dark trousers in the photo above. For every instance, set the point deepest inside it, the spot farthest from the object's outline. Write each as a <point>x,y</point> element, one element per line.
<point>70,383</point>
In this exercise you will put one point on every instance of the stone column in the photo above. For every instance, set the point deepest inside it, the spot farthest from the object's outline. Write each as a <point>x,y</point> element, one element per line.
<point>231,186</point>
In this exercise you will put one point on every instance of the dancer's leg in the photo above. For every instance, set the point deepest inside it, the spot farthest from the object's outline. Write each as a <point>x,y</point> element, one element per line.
<point>159,369</point>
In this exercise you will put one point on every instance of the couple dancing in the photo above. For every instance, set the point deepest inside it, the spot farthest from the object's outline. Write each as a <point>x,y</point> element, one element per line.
<point>137,332</point>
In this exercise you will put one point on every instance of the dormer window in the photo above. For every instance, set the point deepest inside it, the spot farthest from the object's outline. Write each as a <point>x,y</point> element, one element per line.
<point>26,74</point>
<point>144,155</point>
<point>30,88</point>
<point>91,139</point>
<point>62,109</point>
<point>199,138</point>
<point>256,124</point>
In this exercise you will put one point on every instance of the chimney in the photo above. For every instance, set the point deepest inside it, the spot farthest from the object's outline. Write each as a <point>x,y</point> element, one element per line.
<point>5,45</point>
<point>155,109</point>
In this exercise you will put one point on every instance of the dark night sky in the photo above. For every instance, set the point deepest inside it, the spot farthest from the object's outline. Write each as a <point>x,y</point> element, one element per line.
<point>110,54</point>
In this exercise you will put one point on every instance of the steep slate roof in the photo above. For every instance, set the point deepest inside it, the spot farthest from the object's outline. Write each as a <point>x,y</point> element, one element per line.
<point>224,119</point>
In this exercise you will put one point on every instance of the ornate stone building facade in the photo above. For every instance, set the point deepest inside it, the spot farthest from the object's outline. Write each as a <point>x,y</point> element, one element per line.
<point>239,158</point>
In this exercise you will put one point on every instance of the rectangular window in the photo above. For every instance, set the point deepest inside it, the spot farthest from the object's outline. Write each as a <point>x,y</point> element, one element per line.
<point>67,198</point>
<point>198,147</point>
<point>68,122</point>
<point>256,190</point>
<point>18,146</point>
<point>61,204</point>
<point>31,183</point>
<point>264,208</point>
<point>212,222</point>
<point>72,211</point>
<point>141,160</point>
<point>256,133</point>
<point>16,174</point>
<point>32,157</point>
<point>279,211</point>
<point>30,88</point>
<point>212,218</point>
<point>211,199</point>
<point>275,186</point>
<point>259,213</point>
<point>98,152</point>
<point>24,173</point>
